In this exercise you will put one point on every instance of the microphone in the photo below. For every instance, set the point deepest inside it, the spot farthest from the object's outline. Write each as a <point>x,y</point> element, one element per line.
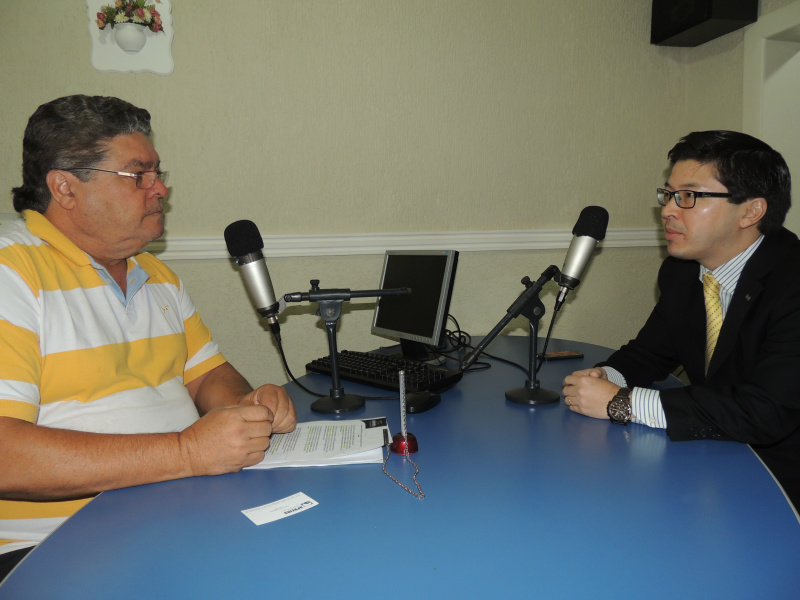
<point>590,229</point>
<point>244,244</point>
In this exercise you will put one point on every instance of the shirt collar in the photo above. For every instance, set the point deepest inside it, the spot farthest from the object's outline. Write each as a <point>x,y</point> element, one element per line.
<point>41,227</point>
<point>136,278</point>
<point>728,274</point>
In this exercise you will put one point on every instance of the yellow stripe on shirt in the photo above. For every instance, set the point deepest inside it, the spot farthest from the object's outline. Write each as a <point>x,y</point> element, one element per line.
<point>23,509</point>
<point>44,270</point>
<point>91,373</point>
<point>19,410</point>
<point>17,365</point>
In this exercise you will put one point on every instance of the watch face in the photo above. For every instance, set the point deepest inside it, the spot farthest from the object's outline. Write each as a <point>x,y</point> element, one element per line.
<point>619,410</point>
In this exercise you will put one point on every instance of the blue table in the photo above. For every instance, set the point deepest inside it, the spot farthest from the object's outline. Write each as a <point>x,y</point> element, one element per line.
<point>533,502</point>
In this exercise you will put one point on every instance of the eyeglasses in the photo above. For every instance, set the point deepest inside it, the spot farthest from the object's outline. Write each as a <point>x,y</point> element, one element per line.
<point>144,180</point>
<point>686,198</point>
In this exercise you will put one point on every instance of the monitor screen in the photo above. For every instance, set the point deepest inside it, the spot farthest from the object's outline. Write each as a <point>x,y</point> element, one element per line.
<point>418,320</point>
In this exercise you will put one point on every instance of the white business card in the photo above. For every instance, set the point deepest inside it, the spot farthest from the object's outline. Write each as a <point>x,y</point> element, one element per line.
<point>280,509</point>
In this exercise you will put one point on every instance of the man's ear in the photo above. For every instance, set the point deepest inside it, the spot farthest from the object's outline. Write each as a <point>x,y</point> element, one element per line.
<point>60,185</point>
<point>754,211</point>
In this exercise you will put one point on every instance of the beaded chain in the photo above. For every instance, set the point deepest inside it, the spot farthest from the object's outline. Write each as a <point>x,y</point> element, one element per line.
<point>419,493</point>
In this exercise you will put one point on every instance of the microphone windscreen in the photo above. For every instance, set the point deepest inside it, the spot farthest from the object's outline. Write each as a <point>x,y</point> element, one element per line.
<point>243,238</point>
<point>592,222</point>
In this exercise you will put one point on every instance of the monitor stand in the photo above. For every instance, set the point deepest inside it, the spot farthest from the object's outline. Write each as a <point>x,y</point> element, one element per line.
<point>415,351</point>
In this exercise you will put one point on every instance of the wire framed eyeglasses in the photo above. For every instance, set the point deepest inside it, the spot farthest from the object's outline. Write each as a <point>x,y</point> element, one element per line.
<point>144,180</point>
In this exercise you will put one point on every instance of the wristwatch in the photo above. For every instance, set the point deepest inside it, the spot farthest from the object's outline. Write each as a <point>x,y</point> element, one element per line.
<point>619,408</point>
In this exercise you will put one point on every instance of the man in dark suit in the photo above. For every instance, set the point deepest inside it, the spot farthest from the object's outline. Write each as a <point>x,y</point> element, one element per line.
<point>728,311</point>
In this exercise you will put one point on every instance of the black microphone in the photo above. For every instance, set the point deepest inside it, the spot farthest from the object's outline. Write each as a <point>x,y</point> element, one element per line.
<point>244,244</point>
<point>590,229</point>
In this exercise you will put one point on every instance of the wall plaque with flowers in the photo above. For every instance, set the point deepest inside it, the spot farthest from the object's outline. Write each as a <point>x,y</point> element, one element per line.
<point>131,35</point>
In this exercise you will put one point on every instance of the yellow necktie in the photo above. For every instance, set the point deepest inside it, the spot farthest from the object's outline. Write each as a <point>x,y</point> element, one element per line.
<point>713,314</point>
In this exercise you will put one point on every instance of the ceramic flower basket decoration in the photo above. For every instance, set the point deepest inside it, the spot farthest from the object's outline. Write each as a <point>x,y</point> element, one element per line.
<point>131,35</point>
<point>130,17</point>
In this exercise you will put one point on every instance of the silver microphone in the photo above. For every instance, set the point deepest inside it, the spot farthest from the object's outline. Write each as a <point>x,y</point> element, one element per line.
<point>590,229</point>
<point>244,244</point>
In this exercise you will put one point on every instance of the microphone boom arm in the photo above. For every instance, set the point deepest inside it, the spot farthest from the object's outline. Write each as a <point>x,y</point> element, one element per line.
<point>330,309</point>
<point>521,303</point>
<point>318,295</point>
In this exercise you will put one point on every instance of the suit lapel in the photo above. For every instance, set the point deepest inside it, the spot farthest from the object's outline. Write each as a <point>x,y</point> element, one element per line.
<point>744,298</point>
<point>748,290</point>
<point>695,343</point>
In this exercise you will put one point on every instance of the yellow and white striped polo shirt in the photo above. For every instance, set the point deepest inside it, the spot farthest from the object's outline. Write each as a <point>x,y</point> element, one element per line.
<point>76,353</point>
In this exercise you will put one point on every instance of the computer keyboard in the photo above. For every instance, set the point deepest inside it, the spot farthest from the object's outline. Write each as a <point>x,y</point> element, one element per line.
<point>380,370</point>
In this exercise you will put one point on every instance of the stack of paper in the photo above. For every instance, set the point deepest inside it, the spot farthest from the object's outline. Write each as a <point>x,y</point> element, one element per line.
<point>321,443</point>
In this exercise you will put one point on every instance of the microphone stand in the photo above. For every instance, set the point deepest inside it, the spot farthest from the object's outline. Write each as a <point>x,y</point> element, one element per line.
<point>330,310</point>
<point>529,305</point>
<point>531,393</point>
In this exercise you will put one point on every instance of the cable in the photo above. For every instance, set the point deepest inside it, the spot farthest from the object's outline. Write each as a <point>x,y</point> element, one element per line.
<point>289,371</point>
<point>540,361</point>
<point>461,341</point>
<point>308,391</point>
<point>508,362</point>
<point>458,340</point>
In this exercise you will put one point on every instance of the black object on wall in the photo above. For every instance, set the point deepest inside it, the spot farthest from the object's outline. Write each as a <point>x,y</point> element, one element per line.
<point>695,22</point>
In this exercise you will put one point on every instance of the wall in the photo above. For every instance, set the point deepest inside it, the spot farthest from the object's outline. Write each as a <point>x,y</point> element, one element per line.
<point>771,86</point>
<point>347,116</point>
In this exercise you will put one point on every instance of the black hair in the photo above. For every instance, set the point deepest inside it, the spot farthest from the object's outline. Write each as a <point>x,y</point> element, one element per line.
<point>69,132</point>
<point>745,165</point>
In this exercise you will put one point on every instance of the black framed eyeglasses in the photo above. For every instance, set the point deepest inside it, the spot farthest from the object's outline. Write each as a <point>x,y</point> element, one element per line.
<point>144,180</point>
<point>686,198</point>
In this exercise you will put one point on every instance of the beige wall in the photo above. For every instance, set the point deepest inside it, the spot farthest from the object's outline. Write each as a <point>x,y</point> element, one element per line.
<point>345,116</point>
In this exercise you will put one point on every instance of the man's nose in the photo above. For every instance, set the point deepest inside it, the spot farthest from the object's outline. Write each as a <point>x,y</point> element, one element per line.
<point>160,187</point>
<point>671,208</point>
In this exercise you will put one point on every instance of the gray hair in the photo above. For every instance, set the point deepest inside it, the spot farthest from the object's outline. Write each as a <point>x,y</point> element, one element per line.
<point>70,132</point>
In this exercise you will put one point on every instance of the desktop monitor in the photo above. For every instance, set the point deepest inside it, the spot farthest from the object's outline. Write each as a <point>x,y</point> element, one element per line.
<point>418,320</point>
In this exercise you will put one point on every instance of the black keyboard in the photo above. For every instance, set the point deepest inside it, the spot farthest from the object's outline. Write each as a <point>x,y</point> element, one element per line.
<point>380,370</point>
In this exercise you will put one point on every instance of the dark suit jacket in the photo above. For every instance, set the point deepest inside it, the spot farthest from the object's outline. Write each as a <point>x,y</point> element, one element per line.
<point>752,391</point>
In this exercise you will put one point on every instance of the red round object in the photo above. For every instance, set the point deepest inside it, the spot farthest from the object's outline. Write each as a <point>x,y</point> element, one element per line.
<point>399,443</point>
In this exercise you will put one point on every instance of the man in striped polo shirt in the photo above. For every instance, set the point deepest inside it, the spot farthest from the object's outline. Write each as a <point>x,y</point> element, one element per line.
<point>108,377</point>
<point>728,311</point>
